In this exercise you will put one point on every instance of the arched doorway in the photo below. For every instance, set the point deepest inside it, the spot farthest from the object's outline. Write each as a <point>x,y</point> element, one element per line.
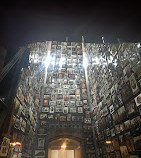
<point>65,144</point>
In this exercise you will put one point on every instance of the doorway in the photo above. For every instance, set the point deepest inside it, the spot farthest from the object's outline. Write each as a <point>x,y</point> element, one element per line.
<point>62,153</point>
<point>72,148</point>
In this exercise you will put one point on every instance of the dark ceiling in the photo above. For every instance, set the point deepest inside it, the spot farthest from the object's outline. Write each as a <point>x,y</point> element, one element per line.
<point>24,21</point>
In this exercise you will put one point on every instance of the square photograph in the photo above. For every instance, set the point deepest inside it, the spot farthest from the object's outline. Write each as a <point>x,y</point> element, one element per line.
<point>138,100</point>
<point>74,118</point>
<point>66,103</point>
<point>80,109</point>
<point>133,84</point>
<point>66,97</point>
<point>59,102</point>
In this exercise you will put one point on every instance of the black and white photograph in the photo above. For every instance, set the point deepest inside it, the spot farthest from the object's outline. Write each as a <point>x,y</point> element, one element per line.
<point>138,100</point>
<point>80,109</point>
<point>62,118</point>
<point>51,109</point>
<point>133,84</point>
<point>58,109</point>
<point>130,108</point>
<point>72,104</point>
<point>122,113</point>
<point>41,143</point>
<point>72,110</point>
<point>45,109</point>
<point>87,120</point>
<point>65,110</point>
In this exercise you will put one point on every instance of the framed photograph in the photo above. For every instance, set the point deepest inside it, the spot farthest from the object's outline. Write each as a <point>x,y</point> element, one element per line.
<point>72,110</point>
<point>85,102</point>
<point>115,117</point>
<point>113,132</point>
<point>58,109</point>
<point>43,116</point>
<point>66,97</point>
<point>62,118</point>
<point>66,103</point>
<point>65,110</point>
<point>129,142</point>
<point>72,103</point>
<point>43,123</point>
<point>80,109</point>
<point>4,147</point>
<point>45,109</point>
<point>83,85</point>
<point>59,102</point>
<point>52,103</point>
<point>39,153</point>
<point>59,91</point>
<point>66,86</point>
<point>122,113</point>
<point>77,92</point>
<point>68,117</point>
<point>122,127</point>
<point>41,143</point>
<point>80,118</point>
<point>117,129</point>
<point>138,100</point>
<point>59,96</point>
<point>70,71</point>
<point>126,93</point>
<point>87,120</point>
<point>46,102</point>
<point>138,70</point>
<point>47,96</point>
<point>84,92</point>
<point>51,109</point>
<point>53,97</point>
<point>78,97</point>
<point>136,125</point>
<point>74,118</point>
<point>127,124</point>
<point>71,82</point>
<point>79,103</point>
<point>72,91</point>
<point>133,84</point>
<point>130,108</point>
<point>111,108</point>
<point>50,116</point>
<point>72,97</point>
